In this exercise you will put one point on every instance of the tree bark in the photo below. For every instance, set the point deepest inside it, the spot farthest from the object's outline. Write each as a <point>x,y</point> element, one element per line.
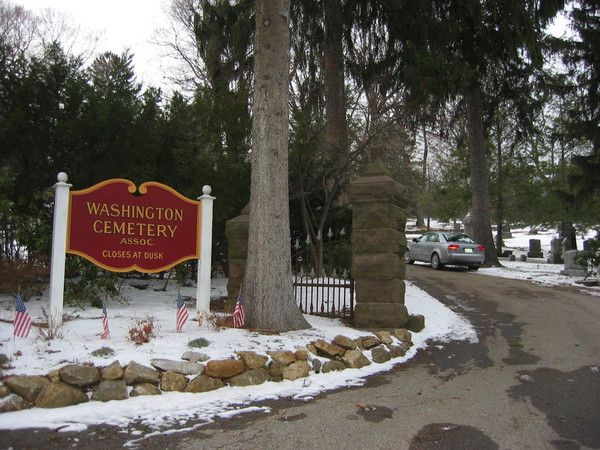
<point>420,221</point>
<point>336,128</point>
<point>268,288</point>
<point>500,188</point>
<point>482,228</point>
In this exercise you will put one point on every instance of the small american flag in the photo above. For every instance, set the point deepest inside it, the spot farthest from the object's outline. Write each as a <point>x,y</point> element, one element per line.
<point>239,318</point>
<point>182,314</point>
<point>22,322</point>
<point>105,331</point>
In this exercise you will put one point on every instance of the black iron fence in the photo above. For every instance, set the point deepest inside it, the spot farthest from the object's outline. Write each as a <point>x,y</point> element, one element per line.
<point>325,296</point>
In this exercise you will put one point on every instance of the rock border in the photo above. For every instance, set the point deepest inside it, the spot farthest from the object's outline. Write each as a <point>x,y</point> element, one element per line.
<point>78,383</point>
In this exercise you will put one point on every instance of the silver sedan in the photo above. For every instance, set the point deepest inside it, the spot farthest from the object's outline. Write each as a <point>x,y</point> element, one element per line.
<point>440,248</point>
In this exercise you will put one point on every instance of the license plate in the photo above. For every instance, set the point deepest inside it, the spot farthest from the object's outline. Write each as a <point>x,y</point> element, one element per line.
<point>468,250</point>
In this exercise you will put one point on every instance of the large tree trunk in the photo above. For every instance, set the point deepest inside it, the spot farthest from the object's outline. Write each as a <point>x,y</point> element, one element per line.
<point>268,291</point>
<point>482,228</point>
<point>420,221</point>
<point>336,129</point>
<point>500,188</point>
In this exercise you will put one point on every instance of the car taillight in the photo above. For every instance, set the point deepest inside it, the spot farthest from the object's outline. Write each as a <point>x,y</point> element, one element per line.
<point>453,247</point>
<point>481,248</point>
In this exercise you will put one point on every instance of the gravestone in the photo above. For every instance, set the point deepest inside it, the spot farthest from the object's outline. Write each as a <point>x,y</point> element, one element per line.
<point>555,256</point>
<point>535,249</point>
<point>506,233</point>
<point>567,233</point>
<point>236,231</point>
<point>522,258</point>
<point>512,257</point>
<point>468,224</point>
<point>586,245</point>
<point>378,245</point>
<point>572,267</point>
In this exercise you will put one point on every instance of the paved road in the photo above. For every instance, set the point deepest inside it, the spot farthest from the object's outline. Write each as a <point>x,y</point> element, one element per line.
<point>531,382</point>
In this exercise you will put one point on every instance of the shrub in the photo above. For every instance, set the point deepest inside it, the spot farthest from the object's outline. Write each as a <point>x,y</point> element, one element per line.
<point>142,330</point>
<point>48,332</point>
<point>103,352</point>
<point>92,287</point>
<point>591,258</point>
<point>25,277</point>
<point>198,343</point>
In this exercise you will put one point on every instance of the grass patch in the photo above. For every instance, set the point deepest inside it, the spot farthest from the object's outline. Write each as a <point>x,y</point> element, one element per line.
<point>103,352</point>
<point>198,343</point>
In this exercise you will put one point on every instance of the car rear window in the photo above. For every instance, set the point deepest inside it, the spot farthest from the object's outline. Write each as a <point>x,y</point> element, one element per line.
<point>459,238</point>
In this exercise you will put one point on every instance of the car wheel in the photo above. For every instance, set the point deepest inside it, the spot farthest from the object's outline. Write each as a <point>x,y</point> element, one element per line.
<point>435,261</point>
<point>473,268</point>
<point>407,258</point>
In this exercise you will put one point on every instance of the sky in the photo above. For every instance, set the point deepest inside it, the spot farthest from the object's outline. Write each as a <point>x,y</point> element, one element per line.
<point>133,24</point>
<point>121,25</point>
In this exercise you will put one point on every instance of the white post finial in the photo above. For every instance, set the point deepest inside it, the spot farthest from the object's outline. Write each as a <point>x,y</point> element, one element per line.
<point>203,284</point>
<point>59,249</point>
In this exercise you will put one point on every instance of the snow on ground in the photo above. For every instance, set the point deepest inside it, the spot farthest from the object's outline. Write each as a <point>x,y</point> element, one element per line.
<point>536,270</point>
<point>168,413</point>
<point>171,410</point>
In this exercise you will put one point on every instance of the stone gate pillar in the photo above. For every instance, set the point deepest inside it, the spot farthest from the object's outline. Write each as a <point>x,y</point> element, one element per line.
<point>236,231</point>
<point>378,245</point>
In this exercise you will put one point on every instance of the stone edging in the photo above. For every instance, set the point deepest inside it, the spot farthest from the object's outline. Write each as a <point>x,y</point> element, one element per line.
<point>78,383</point>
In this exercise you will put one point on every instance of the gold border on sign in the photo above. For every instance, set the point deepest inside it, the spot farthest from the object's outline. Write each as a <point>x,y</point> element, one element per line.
<point>143,188</point>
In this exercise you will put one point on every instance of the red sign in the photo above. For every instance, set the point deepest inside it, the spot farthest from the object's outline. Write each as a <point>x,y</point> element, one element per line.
<point>119,230</point>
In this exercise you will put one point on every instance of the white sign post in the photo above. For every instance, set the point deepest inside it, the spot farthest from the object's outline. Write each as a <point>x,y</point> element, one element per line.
<point>59,248</point>
<point>203,283</point>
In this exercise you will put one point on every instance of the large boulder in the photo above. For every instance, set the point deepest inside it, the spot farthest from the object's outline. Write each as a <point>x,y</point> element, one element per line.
<point>325,348</point>
<point>331,366</point>
<point>13,402</point>
<point>283,357</point>
<point>194,356</point>
<point>416,322</point>
<point>295,370</point>
<point>224,368</point>
<point>113,371</point>
<point>4,391</point>
<point>138,374</point>
<point>79,375</point>
<point>182,367</point>
<point>110,390</point>
<point>355,359</point>
<point>384,336</point>
<point>53,375</point>
<point>57,395</point>
<point>344,342</point>
<point>397,351</point>
<point>276,371</point>
<point>28,386</point>
<point>145,389</point>
<point>368,342</point>
<point>380,355</point>
<point>203,383</point>
<point>316,363</point>
<point>252,360</point>
<point>402,334</point>
<point>301,355</point>
<point>173,381</point>
<point>251,377</point>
